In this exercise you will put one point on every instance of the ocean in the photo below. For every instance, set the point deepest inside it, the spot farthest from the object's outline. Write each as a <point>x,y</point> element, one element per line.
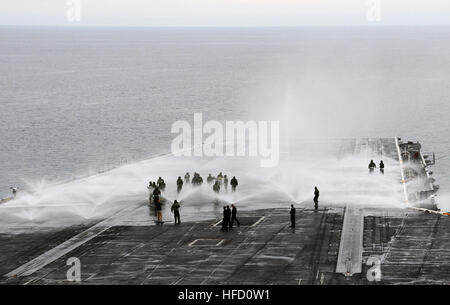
<point>76,101</point>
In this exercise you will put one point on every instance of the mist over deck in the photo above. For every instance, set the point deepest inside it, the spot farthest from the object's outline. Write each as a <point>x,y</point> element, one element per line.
<point>336,244</point>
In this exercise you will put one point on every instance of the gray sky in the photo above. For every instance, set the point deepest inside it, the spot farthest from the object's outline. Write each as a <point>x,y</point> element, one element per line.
<point>226,12</point>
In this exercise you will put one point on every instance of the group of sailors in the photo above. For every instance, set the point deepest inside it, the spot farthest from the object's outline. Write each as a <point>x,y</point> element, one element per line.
<point>156,187</point>
<point>372,166</point>
<point>219,182</point>
<point>229,217</point>
<point>160,184</point>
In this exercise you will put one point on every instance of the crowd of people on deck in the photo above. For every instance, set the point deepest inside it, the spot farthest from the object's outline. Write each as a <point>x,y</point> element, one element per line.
<point>220,183</point>
<point>217,183</point>
<point>229,214</point>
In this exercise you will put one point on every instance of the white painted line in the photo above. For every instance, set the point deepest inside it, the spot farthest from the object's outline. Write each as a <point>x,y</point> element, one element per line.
<point>217,223</point>
<point>402,172</point>
<point>69,245</point>
<point>258,221</point>
<point>351,245</point>
<point>193,243</point>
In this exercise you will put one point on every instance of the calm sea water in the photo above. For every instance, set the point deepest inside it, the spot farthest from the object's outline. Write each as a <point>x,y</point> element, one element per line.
<point>76,101</point>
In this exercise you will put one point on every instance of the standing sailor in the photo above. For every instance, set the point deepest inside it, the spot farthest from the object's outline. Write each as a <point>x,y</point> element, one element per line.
<point>225,183</point>
<point>224,220</point>
<point>292,212</point>
<point>156,194</point>
<point>234,183</point>
<point>14,191</point>
<point>316,198</point>
<point>233,216</point>
<point>382,167</point>
<point>216,187</point>
<point>179,184</point>
<point>371,166</point>
<point>176,211</point>
<point>220,178</point>
<point>158,207</point>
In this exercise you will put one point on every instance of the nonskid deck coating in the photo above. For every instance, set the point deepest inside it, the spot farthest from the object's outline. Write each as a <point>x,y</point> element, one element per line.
<point>263,251</point>
<point>413,247</point>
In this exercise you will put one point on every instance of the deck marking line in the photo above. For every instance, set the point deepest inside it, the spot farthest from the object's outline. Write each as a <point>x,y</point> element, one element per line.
<point>69,245</point>
<point>351,245</point>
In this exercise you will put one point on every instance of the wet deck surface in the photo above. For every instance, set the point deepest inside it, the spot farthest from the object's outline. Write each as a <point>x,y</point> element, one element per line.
<point>412,246</point>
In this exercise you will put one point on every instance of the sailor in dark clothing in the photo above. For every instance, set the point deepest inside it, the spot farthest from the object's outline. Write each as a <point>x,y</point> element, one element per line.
<point>234,184</point>
<point>156,194</point>
<point>216,187</point>
<point>187,178</point>
<point>210,179</point>
<point>176,211</point>
<point>292,212</point>
<point>158,207</point>
<point>150,188</point>
<point>371,166</point>
<point>382,167</point>
<point>233,216</point>
<point>225,182</point>
<point>14,191</point>
<point>225,221</point>
<point>316,197</point>
<point>228,217</point>
<point>179,185</point>
<point>197,180</point>
<point>162,186</point>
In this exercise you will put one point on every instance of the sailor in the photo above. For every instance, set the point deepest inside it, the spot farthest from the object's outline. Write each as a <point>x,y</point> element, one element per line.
<point>228,217</point>
<point>162,186</point>
<point>179,184</point>
<point>220,178</point>
<point>234,183</point>
<point>316,198</point>
<point>158,207</point>
<point>371,166</point>
<point>14,191</point>
<point>187,178</point>
<point>224,220</point>
<point>382,167</point>
<point>292,212</point>
<point>176,211</point>
<point>225,182</point>
<point>233,216</point>
<point>216,187</point>
<point>210,179</point>
<point>150,190</point>
<point>156,194</point>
